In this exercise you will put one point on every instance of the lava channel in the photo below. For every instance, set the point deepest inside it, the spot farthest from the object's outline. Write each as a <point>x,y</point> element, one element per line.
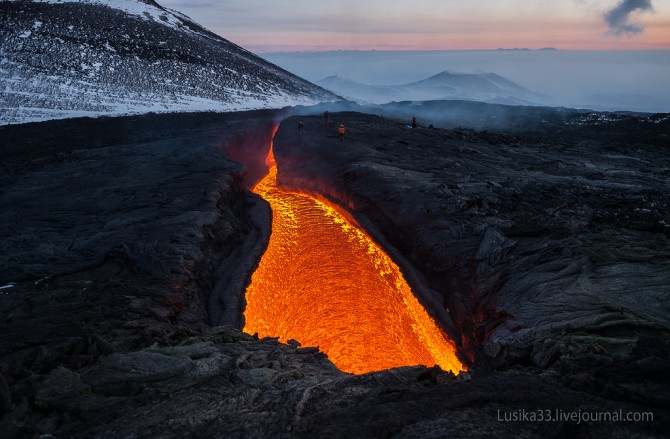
<point>324,282</point>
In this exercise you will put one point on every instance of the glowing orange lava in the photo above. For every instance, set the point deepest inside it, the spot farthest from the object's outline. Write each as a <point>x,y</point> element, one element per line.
<point>324,282</point>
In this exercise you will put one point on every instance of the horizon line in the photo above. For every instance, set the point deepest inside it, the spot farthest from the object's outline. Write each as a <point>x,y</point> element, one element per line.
<point>502,49</point>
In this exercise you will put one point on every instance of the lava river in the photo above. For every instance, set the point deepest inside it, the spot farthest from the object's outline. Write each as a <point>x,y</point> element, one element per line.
<point>324,282</point>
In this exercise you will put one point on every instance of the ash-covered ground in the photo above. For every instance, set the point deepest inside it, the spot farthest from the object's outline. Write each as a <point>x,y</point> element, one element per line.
<point>544,254</point>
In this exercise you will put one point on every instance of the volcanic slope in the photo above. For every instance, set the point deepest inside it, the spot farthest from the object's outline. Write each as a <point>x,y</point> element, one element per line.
<point>106,57</point>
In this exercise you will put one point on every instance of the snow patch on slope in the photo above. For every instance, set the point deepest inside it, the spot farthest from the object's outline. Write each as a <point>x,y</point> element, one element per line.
<point>147,10</point>
<point>63,59</point>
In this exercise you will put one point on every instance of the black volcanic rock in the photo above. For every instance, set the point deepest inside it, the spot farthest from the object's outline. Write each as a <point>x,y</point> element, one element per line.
<point>543,247</point>
<point>149,204</point>
<point>111,338</point>
<point>112,234</point>
<point>102,57</point>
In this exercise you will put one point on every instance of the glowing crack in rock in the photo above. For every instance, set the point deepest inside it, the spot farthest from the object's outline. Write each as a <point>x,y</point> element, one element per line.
<point>324,282</point>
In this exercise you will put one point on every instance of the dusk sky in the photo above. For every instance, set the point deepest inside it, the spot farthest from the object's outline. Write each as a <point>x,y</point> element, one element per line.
<point>291,25</point>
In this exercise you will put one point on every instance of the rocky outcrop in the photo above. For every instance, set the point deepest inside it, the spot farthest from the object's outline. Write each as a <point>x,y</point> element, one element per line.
<point>219,383</point>
<point>223,383</point>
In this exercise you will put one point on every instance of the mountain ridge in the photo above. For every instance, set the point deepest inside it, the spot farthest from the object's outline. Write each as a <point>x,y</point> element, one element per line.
<point>481,87</point>
<point>61,59</point>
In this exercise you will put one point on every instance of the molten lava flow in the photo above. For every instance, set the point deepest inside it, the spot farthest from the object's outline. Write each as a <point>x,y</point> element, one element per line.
<point>323,282</point>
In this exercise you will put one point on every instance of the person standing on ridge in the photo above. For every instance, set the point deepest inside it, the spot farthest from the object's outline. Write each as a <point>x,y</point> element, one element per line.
<point>341,130</point>
<point>414,122</point>
<point>326,116</point>
<point>301,127</point>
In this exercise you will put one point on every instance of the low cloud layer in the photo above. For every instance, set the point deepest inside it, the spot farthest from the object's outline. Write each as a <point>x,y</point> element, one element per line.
<point>618,19</point>
<point>567,78</point>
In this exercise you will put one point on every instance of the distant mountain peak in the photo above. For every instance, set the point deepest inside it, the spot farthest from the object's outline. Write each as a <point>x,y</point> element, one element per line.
<point>461,79</point>
<point>446,73</point>
<point>447,84</point>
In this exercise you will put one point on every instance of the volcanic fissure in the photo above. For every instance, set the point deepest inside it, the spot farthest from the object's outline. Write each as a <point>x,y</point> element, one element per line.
<point>324,282</point>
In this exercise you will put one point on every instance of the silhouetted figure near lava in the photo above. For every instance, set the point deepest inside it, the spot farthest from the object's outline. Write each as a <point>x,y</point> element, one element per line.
<point>325,117</point>
<point>414,122</point>
<point>301,127</point>
<point>341,130</point>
